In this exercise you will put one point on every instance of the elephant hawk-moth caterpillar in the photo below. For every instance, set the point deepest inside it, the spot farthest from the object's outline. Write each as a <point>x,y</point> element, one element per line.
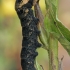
<point>30,34</point>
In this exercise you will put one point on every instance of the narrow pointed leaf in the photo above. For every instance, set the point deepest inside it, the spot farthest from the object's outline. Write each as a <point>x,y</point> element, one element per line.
<point>62,33</point>
<point>64,30</point>
<point>51,28</point>
<point>43,37</point>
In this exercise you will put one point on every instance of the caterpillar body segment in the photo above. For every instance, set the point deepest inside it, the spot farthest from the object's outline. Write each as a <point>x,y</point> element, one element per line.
<point>30,34</point>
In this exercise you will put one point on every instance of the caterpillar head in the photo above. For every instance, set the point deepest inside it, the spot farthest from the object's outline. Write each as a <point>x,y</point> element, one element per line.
<point>20,3</point>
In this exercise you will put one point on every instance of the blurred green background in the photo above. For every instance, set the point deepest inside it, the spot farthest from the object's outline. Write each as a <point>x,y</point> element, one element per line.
<point>11,36</point>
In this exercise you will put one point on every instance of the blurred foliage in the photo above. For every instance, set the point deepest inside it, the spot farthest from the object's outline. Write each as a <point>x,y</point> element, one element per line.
<point>7,7</point>
<point>11,37</point>
<point>7,64</point>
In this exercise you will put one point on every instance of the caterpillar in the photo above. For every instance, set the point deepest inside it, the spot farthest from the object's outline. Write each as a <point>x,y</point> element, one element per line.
<point>30,34</point>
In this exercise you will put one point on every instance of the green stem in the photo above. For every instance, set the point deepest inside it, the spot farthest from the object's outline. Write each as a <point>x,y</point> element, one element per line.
<point>53,53</point>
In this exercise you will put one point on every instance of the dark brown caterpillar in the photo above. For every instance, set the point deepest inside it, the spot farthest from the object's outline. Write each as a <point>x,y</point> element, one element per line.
<point>30,34</point>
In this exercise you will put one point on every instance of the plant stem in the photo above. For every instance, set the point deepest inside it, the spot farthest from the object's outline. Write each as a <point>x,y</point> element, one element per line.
<point>53,53</point>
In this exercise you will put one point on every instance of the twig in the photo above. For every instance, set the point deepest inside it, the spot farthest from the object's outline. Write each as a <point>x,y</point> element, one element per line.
<point>42,67</point>
<point>38,12</point>
<point>60,63</point>
<point>39,15</point>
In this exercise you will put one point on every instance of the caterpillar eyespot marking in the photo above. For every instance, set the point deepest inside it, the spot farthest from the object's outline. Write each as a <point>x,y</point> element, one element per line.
<point>30,34</point>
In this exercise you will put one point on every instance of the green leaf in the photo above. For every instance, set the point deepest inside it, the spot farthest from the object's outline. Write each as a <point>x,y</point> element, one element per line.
<point>51,8</point>
<point>63,30</point>
<point>65,43</point>
<point>54,2</point>
<point>43,37</point>
<point>47,4</point>
<point>60,26</point>
<point>56,27</point>
<point>51,27</point>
